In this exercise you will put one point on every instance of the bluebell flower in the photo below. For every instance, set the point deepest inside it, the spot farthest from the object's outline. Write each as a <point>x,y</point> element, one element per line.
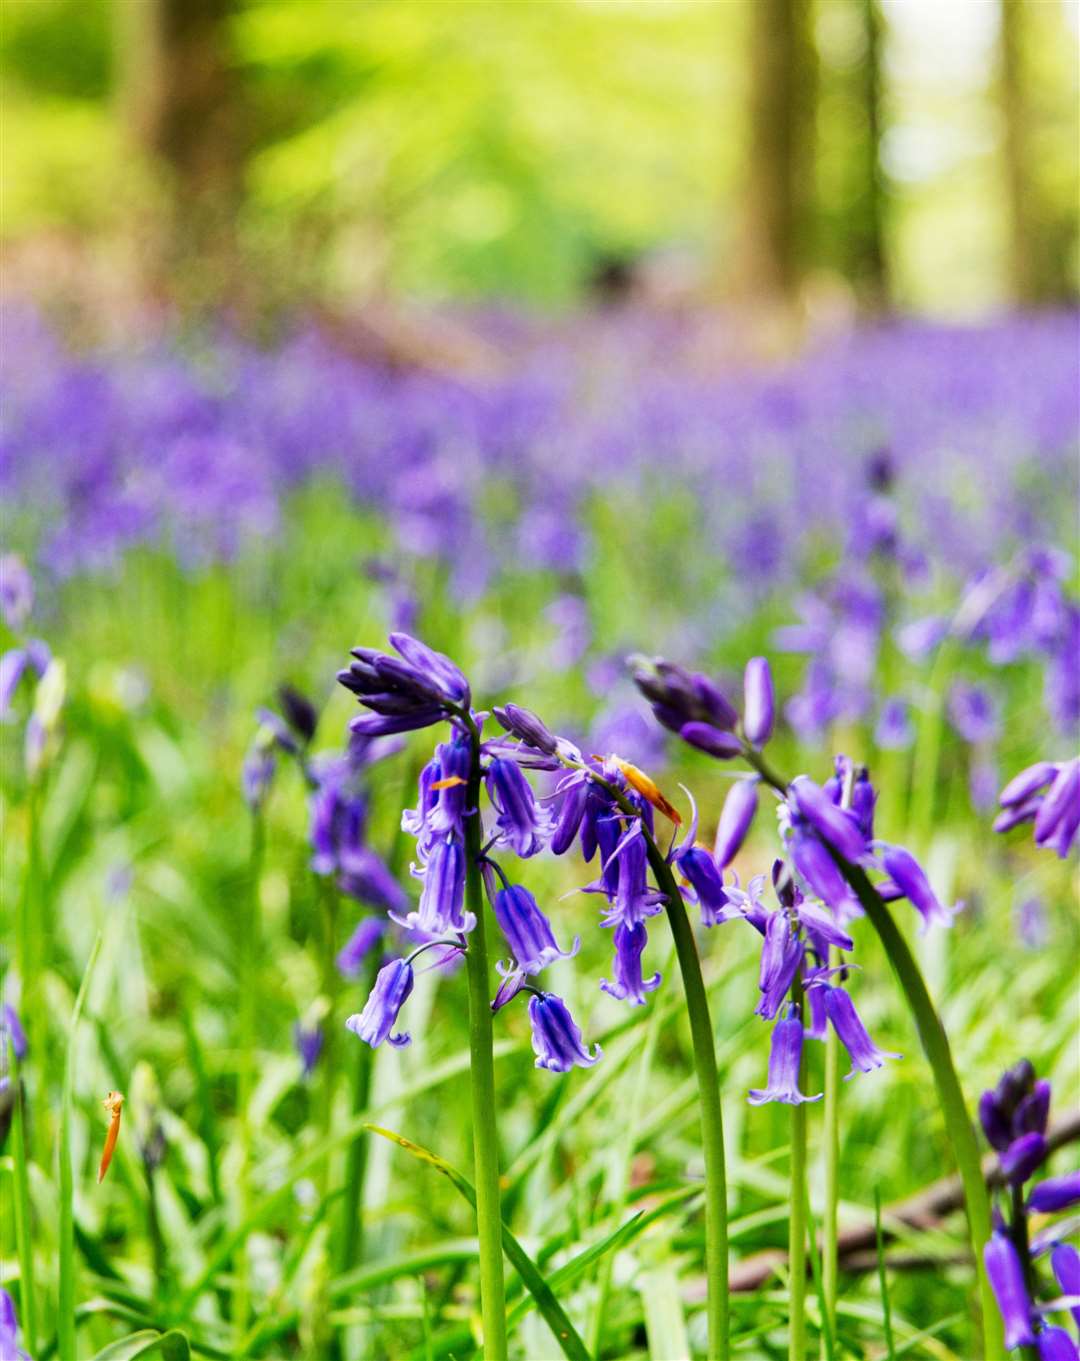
<point>972,712</point>
<point>1023,1157</point>
<point>910,878</point>
<point>785,1057</point>
<point>633,900</point>
<point>9,1330</point>
<point>1055,1193</point>
<point>1055,1344</point>
<point>812,859</point>
<point>14,664</point>
<point>522,823</point>
<point>556,1039</point>
<point>528,932</point>
<point>833,824</point>
<point>367,935</point>
<point>446,816</point>
<point>759,702</point>
<point>11,1030</point>
<point>443,896</point>
<point>1065,1264</point>
<point>781,955</point>
<point>630,985</point>
<point>309,1044</point>
<point>379,1016</point>
<point>1006,1275</point>
<point>712,740</point>
<point>527,726</point>
<point>894,730</point>
<point>736,816</point>
<point>1055,810</point>
<point>680,697</point>
<point>413,690</point>
<point>705,879</point>
<point>848,776</point>
<point>575,794</point>
<point>16,591</point>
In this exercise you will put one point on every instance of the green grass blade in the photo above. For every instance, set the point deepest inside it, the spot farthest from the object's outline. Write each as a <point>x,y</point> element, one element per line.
<point>21,1213</point>
<point>172,1345</point>
<point>554,1315</point>
<point>886,1307</point>
<point>65,1315</point>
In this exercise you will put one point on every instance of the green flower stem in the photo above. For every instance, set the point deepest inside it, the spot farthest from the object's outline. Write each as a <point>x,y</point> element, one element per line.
<point>352,1225</point>
<point>65,1309</point>
<point>248,977</point>
<point>935,1044</point>
<point>482,1072</point>
<point>21,1213</point>
<point>829,1227</point>
<point>797,1219</point>
<point>712,1124</point>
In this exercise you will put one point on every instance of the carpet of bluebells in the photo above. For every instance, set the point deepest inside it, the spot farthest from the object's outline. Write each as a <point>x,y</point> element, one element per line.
<point>315,673</point>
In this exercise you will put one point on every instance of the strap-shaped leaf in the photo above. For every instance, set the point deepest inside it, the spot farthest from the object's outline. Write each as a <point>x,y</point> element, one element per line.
<point>172,1345</point>
<point>565,1333</point>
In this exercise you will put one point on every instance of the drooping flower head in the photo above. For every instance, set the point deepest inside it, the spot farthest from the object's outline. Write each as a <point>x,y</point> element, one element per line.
<point>785,1058</point>
<point>528,932</point>
<point>1048,793</point>
<point>630,985</point>
<point>413,690</point>
<point>379,1016</point>
<point>556,1039</point>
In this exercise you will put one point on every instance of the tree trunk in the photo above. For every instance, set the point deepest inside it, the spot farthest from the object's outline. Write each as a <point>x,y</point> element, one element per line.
<point>1018,188</point>
<point>870,262</point>
<point>181,101</point>
<point>776,225</point>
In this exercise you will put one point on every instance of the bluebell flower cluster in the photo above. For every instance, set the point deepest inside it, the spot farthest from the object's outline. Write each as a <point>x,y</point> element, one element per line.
<point>1014,1118</point>
<point>1047,794</point>
<point>418,689</point>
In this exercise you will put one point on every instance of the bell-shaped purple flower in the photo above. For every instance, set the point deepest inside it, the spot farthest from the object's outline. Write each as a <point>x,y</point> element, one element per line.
<point>369,932</point>
<point>785,1056</point>
<point>1055,1193</point>
<point>11,1031</point>
<point>1029,781</point>
<point>813,861</point>
<point>413,690</point>
<point>523,824</point>
<point>443,895</point>
<point>781,954</point>
<point>571,811</point>
<point>630,985</point>
<point>1006,1276</point>
<point>1065,1264</point>
<point>1055,1344</point>
<point>972,712</point>
<point>16,591</point>
<point>1033,1111</point>
<point>309,1044</point>
<point>9,1331</point>
<point>894,730</point>
<point>390,993</point>
<point>14,664</point>
<point>527,726</point>
<point>1058,818</point>
<point>679,697</point>
<point>835,825</point>
<point>366,877</point>
<point>909,877</point>
<point>735,818</point>
<point>705,878</point>
<point>864,1054</point>
<point>633,900</point>
<point>759,702</point>
<point>1023,1157</point>
<point>528,932</point>
<point>713,741</point>
<point>994,1122</point>
<point>447,792</point>
<point>556,1039</point>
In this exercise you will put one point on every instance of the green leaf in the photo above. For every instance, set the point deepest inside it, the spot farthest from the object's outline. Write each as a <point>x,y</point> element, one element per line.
<point>172,1345</point>
<point>564,1331</point>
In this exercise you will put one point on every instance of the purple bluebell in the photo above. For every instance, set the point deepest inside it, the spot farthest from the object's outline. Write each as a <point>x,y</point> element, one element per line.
<point>308,1041</point>
<point>14,664</point>
<point>1033,1111</point>
<point>759,702</point>
<point>713,741</point>
<point>523,824</point>
<point>257,775</point>
<point>855,780</point>
<point>972,712</point>
<point>574,794</point>
<point>864,1054</point>
<point>736,816</point>
<point>367,935</point>
<point>1055,1344</point>
<point>1055,1193</point>
<point>630,985</point>
<point>443,896</point>
<point>785,1057</point>
<point>527,931</point>
<point>379,1016</point>
<point>11,1030</point>
<point>707,881</point>
<point>556,1039</point>
<point>300,714</point>
<point>838,826</point>
<point>523,724</point>
<point>1006,1274</point>
<point>1065,1264</point>
<point>1023,1157</point>
<point>9,1330</point>
<point>894,730</point>
<point>909,877</point>
<point>922,636</point>
<point>366,877</point>
<point>782,953</point>
<point>812,859</point>
<point>633,900</point>
<point>16,591</point>
<point>680,697</point>
<point>413,690</point>
<point>1056,812</point>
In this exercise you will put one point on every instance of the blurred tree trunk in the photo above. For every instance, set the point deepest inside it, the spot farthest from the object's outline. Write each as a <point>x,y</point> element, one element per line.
<point>777,222</point>
<point>1018,188</point>
<point>869,259</point>
<point>180,98</point>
